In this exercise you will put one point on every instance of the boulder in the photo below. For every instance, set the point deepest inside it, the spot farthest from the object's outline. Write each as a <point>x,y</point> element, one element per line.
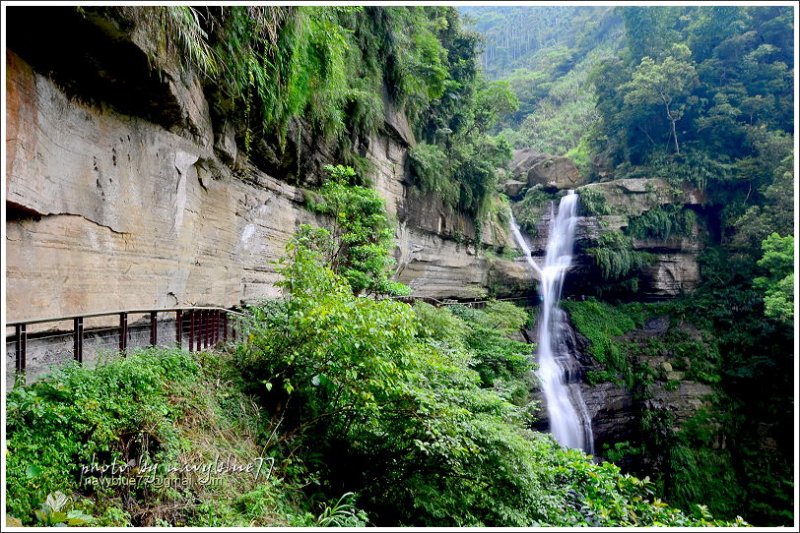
<point>513,188</point>
<point>552,172</point>
<point>555,173</point>
<point>523,161</point>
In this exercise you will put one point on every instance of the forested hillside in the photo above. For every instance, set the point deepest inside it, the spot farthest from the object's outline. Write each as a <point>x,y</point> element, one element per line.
<point>546,55</point>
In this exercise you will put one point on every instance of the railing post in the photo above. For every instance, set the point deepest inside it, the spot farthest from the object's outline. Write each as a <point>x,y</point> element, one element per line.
<point>216,326</point>
<point>191,330</point>
<point>225,327</point>
<point>179,327</point>
<point>21,347</point>
<point>77,333</point>
<point>199,330</point>
<point>123,332</point>
<point>153,328</point>
<point>206,329</point>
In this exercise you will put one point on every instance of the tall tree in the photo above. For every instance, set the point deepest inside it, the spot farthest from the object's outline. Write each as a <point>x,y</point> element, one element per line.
<point>664,83</point>
<point>650,30</point>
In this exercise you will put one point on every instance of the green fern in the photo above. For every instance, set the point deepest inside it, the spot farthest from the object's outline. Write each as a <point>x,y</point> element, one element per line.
<point>179,27</point>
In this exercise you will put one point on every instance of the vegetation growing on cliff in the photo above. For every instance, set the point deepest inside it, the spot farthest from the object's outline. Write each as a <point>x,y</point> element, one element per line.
<point>661,223</point>
<point>360,239</point>
<point>530,211</point>
<point>615,257</point>
<point>341,71</point>
<point>718,337</point>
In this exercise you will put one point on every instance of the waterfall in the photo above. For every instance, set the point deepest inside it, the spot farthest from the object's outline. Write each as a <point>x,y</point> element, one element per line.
<point>559,372</point>
<point>526,251</point>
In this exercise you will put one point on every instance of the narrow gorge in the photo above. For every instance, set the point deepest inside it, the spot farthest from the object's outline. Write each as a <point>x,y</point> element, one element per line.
<point>449,266</point>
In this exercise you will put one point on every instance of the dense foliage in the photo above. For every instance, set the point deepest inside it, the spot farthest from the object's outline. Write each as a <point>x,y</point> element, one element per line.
<point>455,157</point>
<point>718,337</point>
<point>546,55</point>
<point>723,74</point>
<point>360,240</point>
<point>778,285</point>
<point>421,416</point>
<point>172,408</point>
<point>162,408</point>
<point>615,257</point>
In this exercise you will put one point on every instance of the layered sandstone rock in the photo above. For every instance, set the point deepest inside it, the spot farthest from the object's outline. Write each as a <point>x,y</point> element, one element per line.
<point>108,211</point>
<point>674,269</point>
<point>634,196</point>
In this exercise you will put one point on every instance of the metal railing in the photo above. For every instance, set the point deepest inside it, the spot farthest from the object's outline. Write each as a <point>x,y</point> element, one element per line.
<point>35,346</point>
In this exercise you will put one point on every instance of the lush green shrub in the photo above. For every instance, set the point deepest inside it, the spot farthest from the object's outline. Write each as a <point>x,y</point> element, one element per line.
<point>662,222</point>
<point>779,286</point>
<point>167,407</point>
<point>360,242</point>
<point>593,202</point>
<point>503,363</point>
<point>615,257</point>
<point>440,325</point>
<point>78,416</point>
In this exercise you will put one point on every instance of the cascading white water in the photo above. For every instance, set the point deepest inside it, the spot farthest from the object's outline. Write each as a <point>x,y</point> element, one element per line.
<point>570,423</point>
<point>526,251</point>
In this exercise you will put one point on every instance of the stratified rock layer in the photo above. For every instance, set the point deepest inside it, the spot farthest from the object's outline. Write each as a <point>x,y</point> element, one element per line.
<point>108,211</point>
<point>674,269</point>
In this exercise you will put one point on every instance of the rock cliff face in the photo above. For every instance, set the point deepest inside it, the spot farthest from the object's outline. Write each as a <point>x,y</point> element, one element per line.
<point>674,268</point>
<point>615,410</point>
<point>116,207</point>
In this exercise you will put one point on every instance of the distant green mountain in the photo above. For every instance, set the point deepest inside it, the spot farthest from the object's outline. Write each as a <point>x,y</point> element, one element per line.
<point>515,35</point>
<point>546,54</point>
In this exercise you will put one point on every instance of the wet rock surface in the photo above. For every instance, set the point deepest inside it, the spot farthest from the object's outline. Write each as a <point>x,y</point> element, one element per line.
<point>615,410</point>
